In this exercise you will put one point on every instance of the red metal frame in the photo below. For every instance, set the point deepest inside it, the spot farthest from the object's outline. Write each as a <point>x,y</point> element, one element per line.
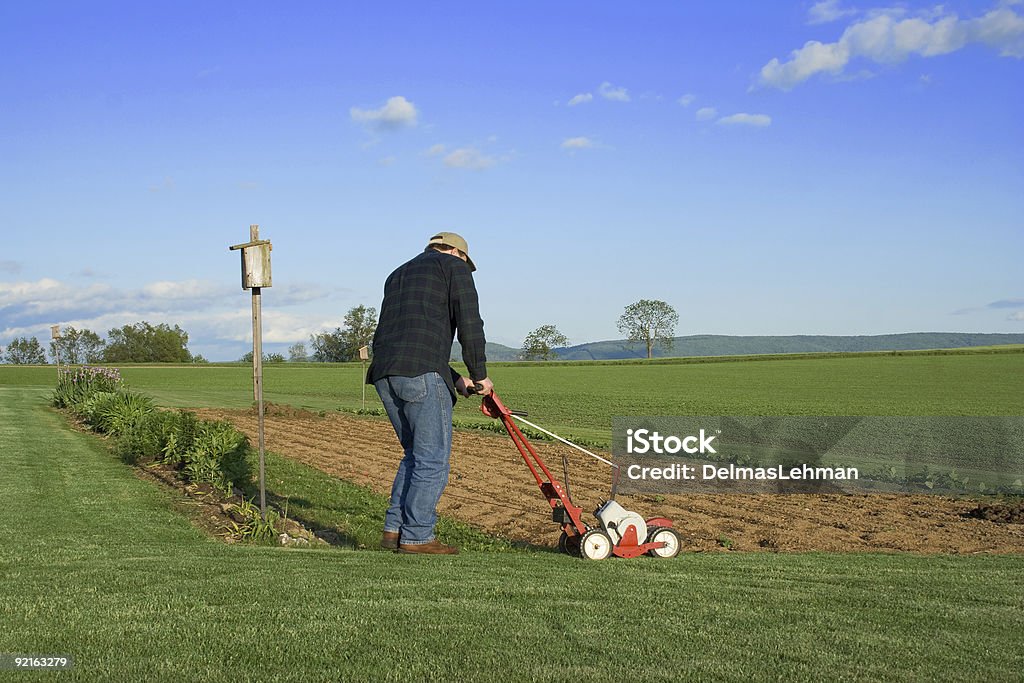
<point>554,492</point>
<point>628,546</point>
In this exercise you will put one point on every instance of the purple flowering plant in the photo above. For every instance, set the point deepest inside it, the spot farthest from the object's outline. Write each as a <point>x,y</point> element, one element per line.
<point>75,384</point>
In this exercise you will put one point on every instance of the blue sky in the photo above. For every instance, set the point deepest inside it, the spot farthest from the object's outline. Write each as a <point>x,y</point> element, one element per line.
<point>765,168</point>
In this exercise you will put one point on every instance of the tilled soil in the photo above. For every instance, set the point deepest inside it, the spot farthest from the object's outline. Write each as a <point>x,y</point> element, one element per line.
<point>491,489</point>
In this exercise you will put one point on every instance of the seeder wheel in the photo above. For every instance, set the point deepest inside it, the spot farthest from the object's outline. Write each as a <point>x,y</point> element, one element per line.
<point>570,545</point>
<point>669,537</point>
<point>595,545</point>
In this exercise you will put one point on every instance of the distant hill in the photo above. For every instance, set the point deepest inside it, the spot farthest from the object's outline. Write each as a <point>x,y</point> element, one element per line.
<point>495,352</point>
<point>724,345</point>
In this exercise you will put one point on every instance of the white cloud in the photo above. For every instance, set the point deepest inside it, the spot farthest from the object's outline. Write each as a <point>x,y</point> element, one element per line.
<point>169,290</point>
<point>706,113</point>
<point>582,98</point>
<point>469,158</point>
<point>279,327</point>
<point>387,161</point>
<point>1018,315</point>
<point>812,58</point>
<point>610,92</point>
<point>756,120</point>
<point>215,315</point>
<point>435,150</point>
<point>577,143</point>
<point>827,11</point>
<point>886,38</point>
<point>49,298</point>
<point>686,100</point>
<point>396,113</point>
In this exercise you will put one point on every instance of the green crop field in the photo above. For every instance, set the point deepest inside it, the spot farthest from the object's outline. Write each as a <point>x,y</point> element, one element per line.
<point>98,565</point>
<point>579,400</point>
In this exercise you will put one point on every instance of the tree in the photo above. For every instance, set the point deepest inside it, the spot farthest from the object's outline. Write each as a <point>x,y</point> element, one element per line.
<point>650,322</point>
<point>327,346</point>
<point>77,346</point>
<point>267,357</point>
<point>540,344</point>
<point>360,324</point>
<point>25,351</point>
<point>145,343</point>
<point>297,352</point>
<point>344,343</point>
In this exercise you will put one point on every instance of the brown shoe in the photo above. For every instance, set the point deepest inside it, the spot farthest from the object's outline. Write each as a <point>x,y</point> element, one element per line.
<point>432,548</point>
<point>389,540</point>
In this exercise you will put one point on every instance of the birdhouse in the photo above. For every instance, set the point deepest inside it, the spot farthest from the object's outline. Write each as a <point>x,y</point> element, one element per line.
<point>255,263</point>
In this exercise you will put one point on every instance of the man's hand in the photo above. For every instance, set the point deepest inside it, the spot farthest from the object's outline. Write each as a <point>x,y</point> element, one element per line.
<point>487,386</point>
<point>467,387</point>
<point>463,385</point>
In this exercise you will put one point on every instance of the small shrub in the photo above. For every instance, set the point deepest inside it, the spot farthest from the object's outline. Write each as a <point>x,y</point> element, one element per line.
<point>218,455</point>
<point>177,435</point>
<point>141,441</point>
<point>124,412</point>
<point>148,437</point>
<point>89,408</point>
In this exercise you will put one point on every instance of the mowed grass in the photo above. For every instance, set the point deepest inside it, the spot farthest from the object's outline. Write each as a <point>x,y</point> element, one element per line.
<point>97,565</point>
<point>580,400</point>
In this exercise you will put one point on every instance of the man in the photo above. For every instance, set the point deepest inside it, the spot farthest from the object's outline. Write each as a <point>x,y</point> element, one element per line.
<point>426,301</point>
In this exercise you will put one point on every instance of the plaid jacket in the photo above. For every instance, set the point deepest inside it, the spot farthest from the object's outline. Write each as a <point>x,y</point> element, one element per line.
<point>427,300</point>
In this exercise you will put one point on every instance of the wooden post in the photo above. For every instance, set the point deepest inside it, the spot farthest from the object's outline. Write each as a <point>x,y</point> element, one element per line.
<point>364,355</point>
<point>55,335</point>
<point>255,276</point>
<point>257,377</point>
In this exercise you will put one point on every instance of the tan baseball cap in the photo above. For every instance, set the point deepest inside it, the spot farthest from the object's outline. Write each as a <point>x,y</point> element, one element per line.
<point>453,239</point>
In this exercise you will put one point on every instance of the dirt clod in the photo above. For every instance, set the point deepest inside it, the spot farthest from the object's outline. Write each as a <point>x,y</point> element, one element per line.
<point>1002,513</point>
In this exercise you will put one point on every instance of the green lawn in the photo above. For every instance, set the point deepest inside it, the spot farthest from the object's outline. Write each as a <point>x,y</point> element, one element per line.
<point>97,565</point>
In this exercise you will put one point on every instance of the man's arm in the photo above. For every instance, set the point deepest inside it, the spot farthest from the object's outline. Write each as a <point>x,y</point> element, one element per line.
<point>465,311</point>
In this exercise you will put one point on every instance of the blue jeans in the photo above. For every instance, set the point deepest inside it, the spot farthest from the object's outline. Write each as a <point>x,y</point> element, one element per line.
<point>420,409</point>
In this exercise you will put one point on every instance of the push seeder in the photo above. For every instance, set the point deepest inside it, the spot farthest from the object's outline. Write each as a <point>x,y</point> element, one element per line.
<point>621,532</point>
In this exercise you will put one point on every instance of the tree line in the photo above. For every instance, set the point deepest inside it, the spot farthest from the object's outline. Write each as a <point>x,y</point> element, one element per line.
<point>649,321</point>
<point>139,342</point>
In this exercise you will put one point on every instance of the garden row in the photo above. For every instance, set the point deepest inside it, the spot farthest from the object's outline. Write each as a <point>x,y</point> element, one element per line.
<point>202,451</point>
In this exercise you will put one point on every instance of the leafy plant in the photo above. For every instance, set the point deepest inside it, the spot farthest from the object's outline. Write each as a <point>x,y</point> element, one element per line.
<point>123,412</point>
<point>177,434</point>
<point>253,528</point>
<point>154,435</point>
<point>88,409</point>
<point>218,455</point>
